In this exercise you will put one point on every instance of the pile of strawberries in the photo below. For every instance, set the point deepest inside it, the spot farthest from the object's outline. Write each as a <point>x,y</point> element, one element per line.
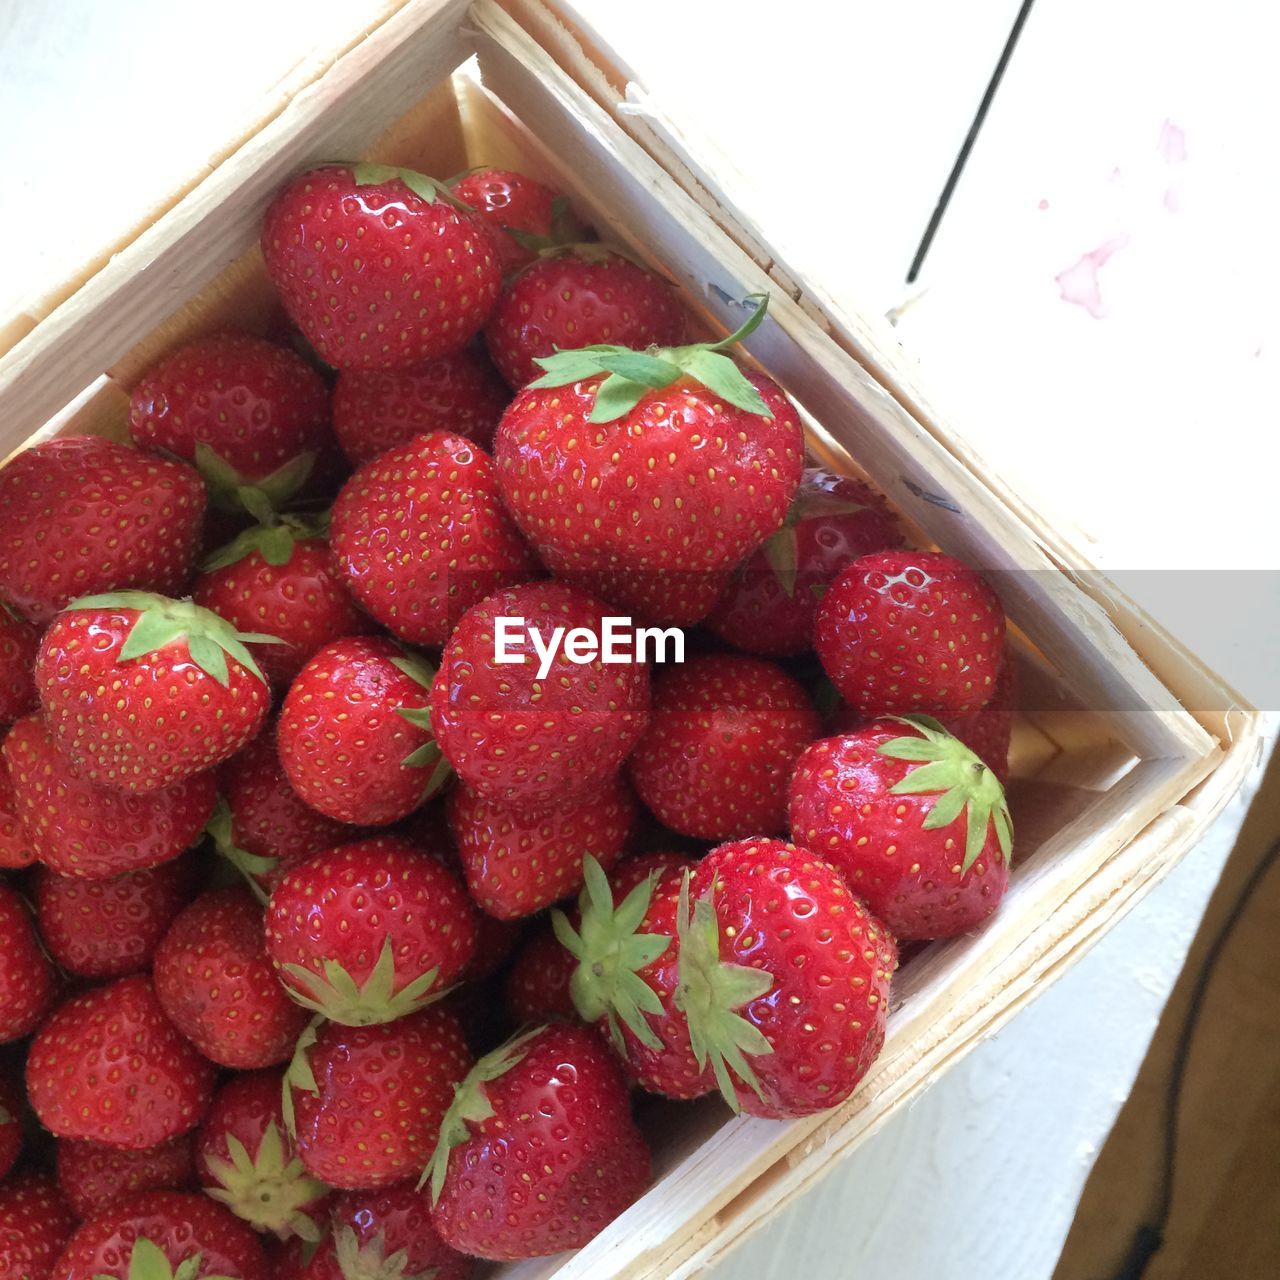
<point>331,946</point>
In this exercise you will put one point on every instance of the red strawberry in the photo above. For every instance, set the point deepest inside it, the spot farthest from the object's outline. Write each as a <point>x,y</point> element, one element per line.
<point>355,734</point>
<point>250,414</point>
<point>16,850</point>
<point>420,535</point>
<point>911,631</point>
<point>246,1160</point>
<point>916,822</point>
<point>12,1107</point>
<point>81,515</point>
<point>537,985</point>
<point>653,480</point>
<point>987,732</point>
<point>581,296</point>
<point>496,1191</point>
<point>216,985</point>
<point>380,268</point>
<point>280,579</point>
<point>35,1223</point>
<point>26,977</point>
<point>94,1177</point>
<point>659,864</point>
<point>163,1235</point>
<point>531,741</point>
<point>19,641</point>
<point>365,1103</point>
<point>516,863</point>
<point>496,940</point>
<point>369,932</point>
<point>110,928</point>
<point>77,828</point>
<point>109,1067</point>
<point>379,409</point>
<point>185,692</point>
<point>723,739</point>
<point>513,202</point>
<point>771,603</point>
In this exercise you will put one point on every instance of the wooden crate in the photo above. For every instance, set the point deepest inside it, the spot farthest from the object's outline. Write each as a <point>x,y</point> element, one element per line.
<point>1125,746</point>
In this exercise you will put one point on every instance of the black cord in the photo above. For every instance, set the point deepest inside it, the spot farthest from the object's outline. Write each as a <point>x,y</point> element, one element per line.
<point>1149,1237</point>
<point>969,139</point>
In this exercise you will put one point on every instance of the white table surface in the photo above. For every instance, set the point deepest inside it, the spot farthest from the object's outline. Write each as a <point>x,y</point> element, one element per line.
<point>1143,129</point>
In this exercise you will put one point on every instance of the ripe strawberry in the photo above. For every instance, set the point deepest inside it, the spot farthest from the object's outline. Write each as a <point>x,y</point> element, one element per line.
<point>369,932</point>
<point>110,928</point>
<point>513,202</point>
<point>141,691</point>
<point>216,985</point>
<point>16,850</point>
<point>246,1160</point>
<point>77,828</point>
<point>355,734</point>
<point>26,977</point>
<point>19,641</point>
<point>379,409</point>
<point>251,415</point>
<point>672,470</point>
<point>556,1089</point>
<point>419,535</point>
<point>916,822</point>
<point>527,741</point>
<point>279,578</point>
<point>911,631</point>
<point>580,296</point>
<point>365,1103</point>
<point>12,1107</point>
<point>516,863</point>
<point>93,1177</point>
<point>80,515</point>
<point>771,604</point>
<point>109,1067</point>
<point>380,268</point>
<point>722,741</point>
<point>666,597</point>
<point>537,984</point>
<point>35,1223</point>
<point>163,1235</point>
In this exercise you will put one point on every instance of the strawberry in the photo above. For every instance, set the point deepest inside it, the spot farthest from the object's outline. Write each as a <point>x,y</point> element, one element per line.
<point>78,828</point>
<point>419,535</point>
<point>12,1108</point>
<point>521,211</point>
<point>653,469</point>
<point>35,1223</point>
<point>94,1177</point>
<point>380,268</point>
<point>80,515</point>
<point>537,984</point>
<point>249,414</point>
<point>771,603</point>
<point>141,691</point>
<point>26,977</point>
<point>16,850</point>
<point>365,1103</point>
<point>216,985</point>
<point>582,295</point>
<point>916,822</point>
<point>279,578</point>
<point>538,1151</point>
<point>246,1160</point>
<point>109,1067</point>
<point>355,734</point>
<point>379,409</point>
<point>724,736</point>
<point>19,641</point>
<point>516,863</point>
<point>524,740</point>
<point>110,928</point>
<point>911,631</point>
<point>163,1235</point>
<point>369,932</point>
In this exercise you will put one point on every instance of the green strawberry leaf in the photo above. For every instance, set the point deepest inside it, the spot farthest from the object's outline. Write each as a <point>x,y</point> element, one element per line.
<point>370,1261</point>
<point>416,668</point>
<point>337,996</point>
<point>781,553</point>
<point>148,1262</point>
<point>274,542</point>
<point>231,492</point>
<point>252,866</point>
<point>427,189</point>
<point>298,1074</point>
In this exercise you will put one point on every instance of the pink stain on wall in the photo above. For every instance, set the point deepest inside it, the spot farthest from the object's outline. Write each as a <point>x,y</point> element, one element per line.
<point>1173,143</point>
<point>1079,283</point>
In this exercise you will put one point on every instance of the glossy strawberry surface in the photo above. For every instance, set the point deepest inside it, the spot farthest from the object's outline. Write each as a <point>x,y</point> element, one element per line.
<point>509,201</point>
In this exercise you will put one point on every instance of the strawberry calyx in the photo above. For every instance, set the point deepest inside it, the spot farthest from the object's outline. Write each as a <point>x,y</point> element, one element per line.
<point>781,549</point>
<point>274,540</point>
<point>471,1105</point>
<point>147,1261</point>
<point>298,1074</point>
<point>709,994</point>
<point>161,621</point>
<point>568,235</point>
<point>370,1261</point>
<point>254,867</point>
<point>630,375</point>
<point>230,491</point>
<point>966,785</point>
<point>267,1190</point>
<point>610,953</point>
<point>337,996</point>
<point>428,755</point>
<point>427,189</point>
